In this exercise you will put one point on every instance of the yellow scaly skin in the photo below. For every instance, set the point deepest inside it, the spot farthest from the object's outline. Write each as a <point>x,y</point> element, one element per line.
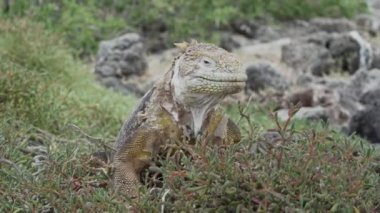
<point>182,106</point>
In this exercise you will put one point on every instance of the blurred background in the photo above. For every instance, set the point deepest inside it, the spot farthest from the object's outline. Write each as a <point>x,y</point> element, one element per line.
<point>86,22</point>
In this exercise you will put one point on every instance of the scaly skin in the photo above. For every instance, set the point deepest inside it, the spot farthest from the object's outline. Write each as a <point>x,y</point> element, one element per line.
<point>182,106</point>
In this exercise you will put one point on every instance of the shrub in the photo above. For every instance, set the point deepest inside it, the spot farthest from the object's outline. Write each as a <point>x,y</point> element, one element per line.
<point>309,168</point>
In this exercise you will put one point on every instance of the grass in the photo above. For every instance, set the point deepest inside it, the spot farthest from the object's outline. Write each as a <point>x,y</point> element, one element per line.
<point>85,23</point>
<point>46,162</point>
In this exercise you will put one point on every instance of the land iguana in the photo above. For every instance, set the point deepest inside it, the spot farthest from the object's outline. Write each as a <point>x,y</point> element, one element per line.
<point>182,106</point>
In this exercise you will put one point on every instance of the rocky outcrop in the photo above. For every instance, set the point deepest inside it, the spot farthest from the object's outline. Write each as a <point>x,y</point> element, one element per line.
<point>376,58</point>
<point>248,28</point>
<point>307,57</point>
<point>318,101</point>
<point>323,53</point>
<point>314,95</point>
<point>120,58</point>
<point>306,113</point>
<point>229,42</point>
<point>371,98</point>
<point>346,53</point>
<point>325,66</point>
<point>333,25</point>
<point>367,124</point>
<point>263,75</point>
<point>368,23</point>
<point>363,81</point>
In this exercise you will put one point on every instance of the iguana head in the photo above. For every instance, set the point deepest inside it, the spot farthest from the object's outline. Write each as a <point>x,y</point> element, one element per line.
<point>206,71</point>
<point>202,76</point>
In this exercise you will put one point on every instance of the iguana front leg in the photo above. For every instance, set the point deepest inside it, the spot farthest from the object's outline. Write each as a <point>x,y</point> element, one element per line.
<point>134,156</point>
<point>233,133</point>
<point>219,126</point>
<point>126,179</point>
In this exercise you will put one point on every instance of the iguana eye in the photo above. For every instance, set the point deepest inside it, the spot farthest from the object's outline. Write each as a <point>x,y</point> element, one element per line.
<point>207,61</point>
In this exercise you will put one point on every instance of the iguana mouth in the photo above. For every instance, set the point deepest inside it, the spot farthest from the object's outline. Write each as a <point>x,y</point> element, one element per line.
<point>218,85</point>
<point>224,78</point>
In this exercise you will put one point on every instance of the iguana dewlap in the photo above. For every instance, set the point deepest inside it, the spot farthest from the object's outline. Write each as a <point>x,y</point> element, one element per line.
<point>182,106</point>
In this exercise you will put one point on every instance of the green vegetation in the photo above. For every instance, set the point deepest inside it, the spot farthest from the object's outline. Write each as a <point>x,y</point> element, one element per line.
<point>45,161</point>
<point>42,85</point>
<point>44,94</point>
<point>308,170</point>
<point>84,23</point>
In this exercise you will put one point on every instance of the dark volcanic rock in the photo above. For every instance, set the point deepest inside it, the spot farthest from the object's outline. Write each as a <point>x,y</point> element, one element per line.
<point>304,80</point>
<point>317,113</point>
<point>322,66</point>
<point>319,38</point>
<point>307,56</point>
<point>376,59</point>
<point>322,53</point>
<point>303,98</point>
<point>366,86</point>
<point>333,25</point>
<point>314,95</point>
<point>345,52</point>
<point>367,124</point>
<point>371,98</point>
<point>121,57</point>
<point>228,42</point>
<point>368,23</point>
<point>363,81</point>
<point>263,75</point>
<point>247,28</point>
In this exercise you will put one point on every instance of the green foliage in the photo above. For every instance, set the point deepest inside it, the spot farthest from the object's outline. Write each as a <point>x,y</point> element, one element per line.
<point>42,85</point>
<point>183,18</point>
<point>81,22</point>
<point>84,23</point>
<point>310,8</point>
